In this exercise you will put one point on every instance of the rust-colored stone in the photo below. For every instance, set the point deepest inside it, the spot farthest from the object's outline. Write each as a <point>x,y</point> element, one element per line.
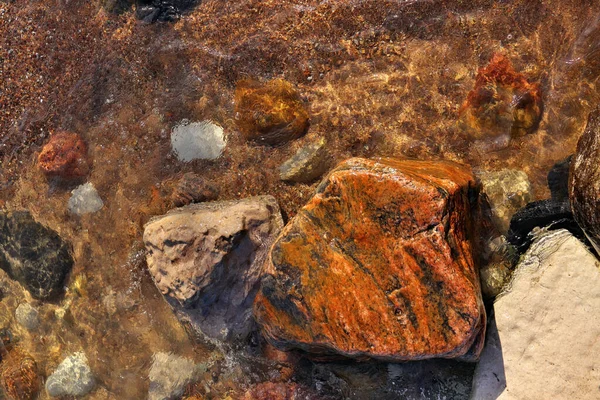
<point>502,102</point>
<point>65,156</point>
<point>270,113</point>
<point>378,265</point>
<point>20,378</point>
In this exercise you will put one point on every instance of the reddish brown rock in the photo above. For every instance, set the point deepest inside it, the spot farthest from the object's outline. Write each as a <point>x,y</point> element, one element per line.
<point>378,265</point>
<point>269,113</point>
<point>192,188</point>
<point>65,156</point>
<point>503,102</point>
<point>20,379</point>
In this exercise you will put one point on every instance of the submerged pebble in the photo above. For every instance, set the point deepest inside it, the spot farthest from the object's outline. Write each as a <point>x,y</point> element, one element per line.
<point>73,377</point>
<point>85,200</point>
<point>169,375</point>
<point>197,141</point>
<point>308,164</point>
<point>65,156</point>
<point>27,316</point>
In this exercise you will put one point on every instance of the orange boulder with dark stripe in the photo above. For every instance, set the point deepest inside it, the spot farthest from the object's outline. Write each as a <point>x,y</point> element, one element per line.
<point>378,265</point>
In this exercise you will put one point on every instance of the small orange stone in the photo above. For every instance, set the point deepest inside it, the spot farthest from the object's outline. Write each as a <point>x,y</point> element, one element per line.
<point>269,113</point>
<point>503,101</point>
<point>65,156</point>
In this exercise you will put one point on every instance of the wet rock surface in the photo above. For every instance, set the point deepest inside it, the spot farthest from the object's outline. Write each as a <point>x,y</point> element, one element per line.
<point>73,377</point>
<point>64,156</point>
<point>584,183</point>
<point>197,141</point>
<point>507,191</point>
<point>20,376</point>
<point>207,260</point>
<point>27,316</point>
<point>162,10</point>
<point>33,254</point>
<point>558,180</point>
<point>502,103</point>
<point>378,265</point>
<point>193,188</point>
<point>85,200</point>
<point>542,326</point>
<point>269,113</point>
<point>308,164</point>
<point>169,375</point>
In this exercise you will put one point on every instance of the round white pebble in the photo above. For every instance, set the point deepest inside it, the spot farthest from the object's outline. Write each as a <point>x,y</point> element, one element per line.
<point>197,140</point>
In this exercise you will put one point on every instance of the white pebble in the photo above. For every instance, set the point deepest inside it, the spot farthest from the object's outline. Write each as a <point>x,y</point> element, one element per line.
<point>197,140</point>
<point>85,200</point>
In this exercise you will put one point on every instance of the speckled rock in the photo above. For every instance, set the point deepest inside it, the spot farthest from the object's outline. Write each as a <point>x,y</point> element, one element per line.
<point>169,375</point>
<point>33,254</point>
<point>85,200</point>
<point>27,316</point>
<point>378,265</point>
<point>269,113</point>
<point>584,181</point>
<point>193,188</point>
<point>502,103</point>
<point>73,377</point>
<point>546,344</point>
<point>206,259</point>
<point>20,377</point>
<point>197,141</point>
<point>507,191</point>
<point>65,155</point>
<point>308,164</point>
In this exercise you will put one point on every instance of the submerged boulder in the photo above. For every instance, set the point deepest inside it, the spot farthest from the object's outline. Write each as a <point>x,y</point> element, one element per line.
<point>33,254</point>
<point>207,260</point>
<point>378,265</point>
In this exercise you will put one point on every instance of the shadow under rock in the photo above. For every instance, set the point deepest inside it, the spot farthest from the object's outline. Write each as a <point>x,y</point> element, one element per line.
<point>490,379</point>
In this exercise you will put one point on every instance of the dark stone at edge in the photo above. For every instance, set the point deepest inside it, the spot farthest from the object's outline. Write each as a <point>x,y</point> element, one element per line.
<point>33,254</point>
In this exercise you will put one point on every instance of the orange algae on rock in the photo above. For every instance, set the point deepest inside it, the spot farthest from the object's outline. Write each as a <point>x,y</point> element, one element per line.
<point>20,378</point>
<point>65,156</point>
<point>503,102</point>
<point>378,265</point>
<point>270,113</point>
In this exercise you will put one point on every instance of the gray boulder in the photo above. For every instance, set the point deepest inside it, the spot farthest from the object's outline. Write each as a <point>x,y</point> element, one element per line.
<point>544,342</point>
<point>206,259</point>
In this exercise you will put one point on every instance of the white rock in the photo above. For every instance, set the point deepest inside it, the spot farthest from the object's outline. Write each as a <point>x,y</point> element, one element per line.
<point>546,345</point>
<point>197,140</point>
<point>85,200</point>
<point>169,375</point>
<point>72,377</point>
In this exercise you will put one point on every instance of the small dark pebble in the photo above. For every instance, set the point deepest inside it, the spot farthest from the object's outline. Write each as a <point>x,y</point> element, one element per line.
<point>192,188</point>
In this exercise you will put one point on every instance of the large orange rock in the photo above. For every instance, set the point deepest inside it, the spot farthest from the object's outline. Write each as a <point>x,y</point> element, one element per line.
<point>378,265</point>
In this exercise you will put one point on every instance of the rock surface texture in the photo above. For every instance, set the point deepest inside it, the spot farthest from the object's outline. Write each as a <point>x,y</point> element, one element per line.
<point>507,191</point>
<point>65,156</point>
<point>584,181</point>
<point>169,375</point>
<point>502,103</point>
<point>73,377</point>
<point>546,343</point>
<point>378,265</point>
<point>207,260</point>
<point>85,200</point>
<point>270,113</point>
<point>307,165</point>
<point>33,254</point>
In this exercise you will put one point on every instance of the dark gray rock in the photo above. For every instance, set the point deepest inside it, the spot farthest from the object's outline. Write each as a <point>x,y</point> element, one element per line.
<point>33,254</point>
<point>584,181</point>
<point>308,164</point>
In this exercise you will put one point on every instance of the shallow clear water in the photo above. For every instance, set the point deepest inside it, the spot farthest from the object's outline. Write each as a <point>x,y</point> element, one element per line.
<point>379,78</point>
